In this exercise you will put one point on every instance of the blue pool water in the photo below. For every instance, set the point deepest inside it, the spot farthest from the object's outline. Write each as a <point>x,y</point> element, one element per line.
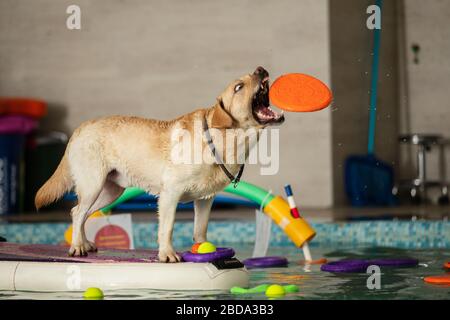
<point>396,283</point>
<point>427,241</point>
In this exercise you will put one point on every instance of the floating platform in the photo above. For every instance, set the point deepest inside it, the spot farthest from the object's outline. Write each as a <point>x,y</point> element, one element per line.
<point>31,267</point>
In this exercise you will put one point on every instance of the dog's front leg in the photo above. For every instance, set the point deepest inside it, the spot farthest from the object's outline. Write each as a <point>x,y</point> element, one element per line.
<point>202,208</point>
<point>167,205</point>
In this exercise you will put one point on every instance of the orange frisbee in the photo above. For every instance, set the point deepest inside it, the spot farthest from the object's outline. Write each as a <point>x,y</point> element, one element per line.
<point>298,92</point>
<point>444,279</point>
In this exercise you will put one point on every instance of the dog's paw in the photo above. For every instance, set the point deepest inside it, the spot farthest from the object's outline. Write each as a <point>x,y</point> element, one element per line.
<point>82,250</point>
<point>168,255</point>
<point>89,246</point>
<point>77,251</point>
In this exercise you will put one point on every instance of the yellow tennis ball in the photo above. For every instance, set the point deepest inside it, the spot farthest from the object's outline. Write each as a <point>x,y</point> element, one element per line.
<point>93,294</point>
<point>206,247</point>
<point>275,291</point>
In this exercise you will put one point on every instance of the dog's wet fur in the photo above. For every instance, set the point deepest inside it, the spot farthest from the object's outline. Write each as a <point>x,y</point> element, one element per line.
<point>107,155</point>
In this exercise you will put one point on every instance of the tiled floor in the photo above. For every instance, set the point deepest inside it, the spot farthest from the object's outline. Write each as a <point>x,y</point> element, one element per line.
<point>311,214</point>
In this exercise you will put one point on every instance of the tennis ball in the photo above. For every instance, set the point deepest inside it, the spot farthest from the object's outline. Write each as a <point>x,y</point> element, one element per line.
<point>206,247</point>
<point>93,294</point>
<point>194,248</point>
<point>275,291</point>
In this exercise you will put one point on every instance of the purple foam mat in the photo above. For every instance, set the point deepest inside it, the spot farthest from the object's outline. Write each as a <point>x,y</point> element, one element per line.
<point>54,253</point>
<point>358,265</point>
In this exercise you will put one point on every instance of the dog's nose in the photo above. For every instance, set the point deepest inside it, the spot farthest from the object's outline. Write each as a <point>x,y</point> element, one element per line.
<point>260,71</point>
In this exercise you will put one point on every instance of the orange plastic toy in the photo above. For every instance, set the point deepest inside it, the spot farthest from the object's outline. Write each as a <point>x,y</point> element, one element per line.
<point>447,265</point>
<point>318,261</point>
<point>22,106</point>
<point>298,92</point>
<point>194,248</point>
<point>442,280</point>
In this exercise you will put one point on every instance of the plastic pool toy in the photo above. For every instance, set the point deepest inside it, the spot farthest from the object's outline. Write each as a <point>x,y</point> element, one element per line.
<point>345,266</point>
<point>93,294</point>
<point>298,230</point>
<point>203,247</point>
<point>258,289</point>
<point>359,265</point>
<point>298,92</point>
<point>296,214</point>
<point>206,247</point>
<point>275,291</point>
<point>440,280</point>
<point>447,265</point>
<point>34,267</point>
<point>22,106</point>
<point>220,253</point>
<point>402,262</point>
<point>262,288</point>
<point>317,261</point>
<point>194,248</point>
<point>265,262</point>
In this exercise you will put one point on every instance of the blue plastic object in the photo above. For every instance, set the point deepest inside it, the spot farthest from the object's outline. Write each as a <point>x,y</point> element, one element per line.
<point>11,172</point>
<point>147,202</point>
<point>368,180</point>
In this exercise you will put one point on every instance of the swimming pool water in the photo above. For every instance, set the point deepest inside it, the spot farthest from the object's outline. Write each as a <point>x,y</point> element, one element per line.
<point>396,283</point>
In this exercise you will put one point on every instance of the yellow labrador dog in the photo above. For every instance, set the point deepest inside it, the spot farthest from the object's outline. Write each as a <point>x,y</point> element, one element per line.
<point>107,155</point>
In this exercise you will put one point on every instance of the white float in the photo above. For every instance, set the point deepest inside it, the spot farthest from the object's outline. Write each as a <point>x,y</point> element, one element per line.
<point>31,267</point>
<point>62,276</point>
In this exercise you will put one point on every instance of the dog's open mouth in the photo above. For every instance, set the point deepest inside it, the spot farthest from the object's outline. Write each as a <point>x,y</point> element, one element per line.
<point>261,110</point>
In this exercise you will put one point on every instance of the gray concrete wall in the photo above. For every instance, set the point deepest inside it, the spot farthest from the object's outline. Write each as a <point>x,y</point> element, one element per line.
<point>424,101</point>
<point>351,59</point>
<point>161,59</point>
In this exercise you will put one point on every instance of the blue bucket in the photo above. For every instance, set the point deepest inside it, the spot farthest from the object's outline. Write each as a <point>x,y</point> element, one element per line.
<point>11,172</point>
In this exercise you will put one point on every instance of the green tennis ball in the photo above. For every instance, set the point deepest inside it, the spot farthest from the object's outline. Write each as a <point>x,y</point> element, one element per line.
<point>275,291</point>
<point>206,247</point>
<point>93,294</point>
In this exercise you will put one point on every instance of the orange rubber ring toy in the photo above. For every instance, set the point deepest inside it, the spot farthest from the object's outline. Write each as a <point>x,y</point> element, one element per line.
<point>318,261</point>
<point>298,92</point>
<point>443,280</point>
<point>23,106</point>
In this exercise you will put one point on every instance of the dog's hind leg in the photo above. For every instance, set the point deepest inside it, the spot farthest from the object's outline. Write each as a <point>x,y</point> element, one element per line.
<point>110,192</point>
<point>89,185</point>
<point>202,208</point>
<point>80,245</point>
<point>167,205</point>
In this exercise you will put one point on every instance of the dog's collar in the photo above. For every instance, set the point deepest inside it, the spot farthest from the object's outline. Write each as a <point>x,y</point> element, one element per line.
<point>234,179</point>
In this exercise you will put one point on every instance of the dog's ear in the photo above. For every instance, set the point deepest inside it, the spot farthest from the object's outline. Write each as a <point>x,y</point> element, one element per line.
<point>221,119</point>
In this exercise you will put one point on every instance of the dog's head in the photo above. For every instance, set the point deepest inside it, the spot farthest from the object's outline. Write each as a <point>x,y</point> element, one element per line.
<point>245,103</point>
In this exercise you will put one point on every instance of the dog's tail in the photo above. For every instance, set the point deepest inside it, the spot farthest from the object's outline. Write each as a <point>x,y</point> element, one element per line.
<point>55,187</point>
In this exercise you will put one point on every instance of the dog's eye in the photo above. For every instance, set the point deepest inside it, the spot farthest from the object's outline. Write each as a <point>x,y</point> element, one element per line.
<point>238,87</point>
